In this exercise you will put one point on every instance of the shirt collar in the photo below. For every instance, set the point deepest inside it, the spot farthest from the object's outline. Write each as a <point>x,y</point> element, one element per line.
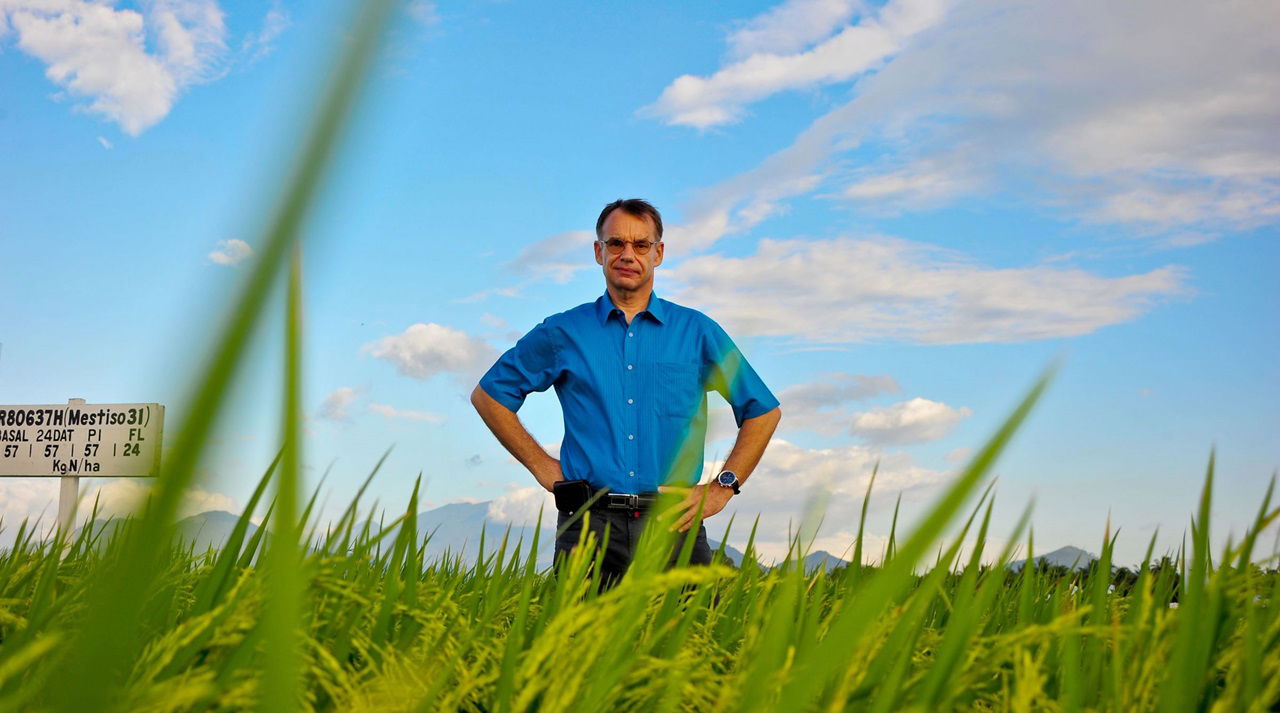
<point>656,308</point>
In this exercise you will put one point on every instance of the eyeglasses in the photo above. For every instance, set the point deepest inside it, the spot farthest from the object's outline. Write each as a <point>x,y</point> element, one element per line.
<point>615,245</point>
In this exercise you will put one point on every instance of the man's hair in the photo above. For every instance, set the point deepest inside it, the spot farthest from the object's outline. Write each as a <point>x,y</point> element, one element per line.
<point>637,207</point>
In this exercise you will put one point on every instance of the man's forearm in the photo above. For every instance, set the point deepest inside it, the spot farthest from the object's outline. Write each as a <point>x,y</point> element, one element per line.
<point>753,436</point>
<point>516,438</point>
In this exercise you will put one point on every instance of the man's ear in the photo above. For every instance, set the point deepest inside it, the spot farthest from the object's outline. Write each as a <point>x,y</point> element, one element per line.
<point>599,256</point>
<point>657,258</point>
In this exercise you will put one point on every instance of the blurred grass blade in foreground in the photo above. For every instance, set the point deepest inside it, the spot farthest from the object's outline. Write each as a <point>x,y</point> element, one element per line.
<point>115,620</point>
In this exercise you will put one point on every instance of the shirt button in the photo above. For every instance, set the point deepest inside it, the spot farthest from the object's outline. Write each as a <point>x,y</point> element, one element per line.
<point>631,334</point>
<point>631,401</point>
<point>631,436</point>
<point>628,367</point>
<point>632,474</point>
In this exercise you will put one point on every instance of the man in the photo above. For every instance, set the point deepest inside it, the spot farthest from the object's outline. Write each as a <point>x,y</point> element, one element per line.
<point>631,371</point>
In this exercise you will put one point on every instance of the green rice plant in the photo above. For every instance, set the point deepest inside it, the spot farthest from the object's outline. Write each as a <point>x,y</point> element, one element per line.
<point>384,628</point>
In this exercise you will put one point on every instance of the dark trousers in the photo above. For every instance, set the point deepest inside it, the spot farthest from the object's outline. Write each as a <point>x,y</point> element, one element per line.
<point>624,535</point>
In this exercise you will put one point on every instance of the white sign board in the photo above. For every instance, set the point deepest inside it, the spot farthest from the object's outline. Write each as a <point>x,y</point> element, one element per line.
<point>94,440</point>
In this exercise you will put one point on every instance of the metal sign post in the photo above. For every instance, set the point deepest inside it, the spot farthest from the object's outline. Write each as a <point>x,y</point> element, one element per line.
<point>69,492</point>
<point>76,439</point>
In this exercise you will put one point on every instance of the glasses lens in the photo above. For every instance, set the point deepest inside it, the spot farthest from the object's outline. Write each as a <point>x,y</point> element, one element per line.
<point>615,245</point>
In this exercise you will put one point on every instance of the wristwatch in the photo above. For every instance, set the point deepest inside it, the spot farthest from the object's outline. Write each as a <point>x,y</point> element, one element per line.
<point>728,479</point>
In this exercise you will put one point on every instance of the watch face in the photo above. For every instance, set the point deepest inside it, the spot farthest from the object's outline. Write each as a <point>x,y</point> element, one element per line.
<point>727,478</point>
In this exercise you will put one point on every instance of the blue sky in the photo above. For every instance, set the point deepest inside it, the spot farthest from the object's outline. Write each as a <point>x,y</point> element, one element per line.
<point>901,211</point>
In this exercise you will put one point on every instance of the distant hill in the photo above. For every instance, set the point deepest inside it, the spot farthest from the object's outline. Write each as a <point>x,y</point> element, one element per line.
<point>451,529</point>
<point>101,529</point>
<point>208,529</point>
<point>1069,557</point>
<point>731,553</point>
<point>211,529</point>
<point>455,529</point>
<point>814,560</point>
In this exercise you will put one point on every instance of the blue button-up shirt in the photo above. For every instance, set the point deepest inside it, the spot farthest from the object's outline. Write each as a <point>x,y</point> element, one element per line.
<point>633,395</point>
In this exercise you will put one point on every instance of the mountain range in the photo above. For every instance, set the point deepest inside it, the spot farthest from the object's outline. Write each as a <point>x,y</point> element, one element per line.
<point>202,531</point>
<point>455,529</point>
<point>1069,557</point>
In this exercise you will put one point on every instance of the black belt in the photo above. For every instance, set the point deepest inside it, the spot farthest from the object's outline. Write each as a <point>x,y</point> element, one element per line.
<point>573,495</point>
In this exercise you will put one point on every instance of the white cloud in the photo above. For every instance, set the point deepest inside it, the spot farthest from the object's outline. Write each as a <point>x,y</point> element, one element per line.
<point>510,291</point>
<point>128,66</point>
<point>424,350</point>
<point>105,143</point>
<point>552,449</point>
<point>397,414</point>
<point>924,184</point>
<point>847,291</point>
<point>335,405</point>
<point>739,204</point>
<point>719,99</point>
<point>492,320</point>
<point>790,476</point>
<point>821,405</point>
<point>424,12</point>
<point>36,499</point>
<point>121,496</point>
<point>721,424</point>
<point>558,257</point>
<point>789,471</point>
<point>836,389</point>
<point>230,252</point>
<point>257,45</point>
<point>1122,128</point>
<point>913,421</point>
<point>1172,207</point>
<point>519,506</point>
<point>790,27</point>
<point>27,498</point>
<point>1155,114</point>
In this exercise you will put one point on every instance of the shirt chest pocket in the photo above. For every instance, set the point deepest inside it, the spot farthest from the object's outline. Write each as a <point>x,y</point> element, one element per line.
<point>677,389</point>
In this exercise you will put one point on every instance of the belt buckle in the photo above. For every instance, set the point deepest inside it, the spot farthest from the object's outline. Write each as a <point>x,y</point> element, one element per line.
<point>624,501</point>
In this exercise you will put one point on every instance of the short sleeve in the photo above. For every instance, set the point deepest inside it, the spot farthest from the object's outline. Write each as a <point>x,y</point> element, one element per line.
<point>734,379</point>
<point>529,366</point>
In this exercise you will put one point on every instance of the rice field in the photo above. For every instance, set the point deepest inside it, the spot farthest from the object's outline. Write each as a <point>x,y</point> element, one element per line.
<point>338,617</point>
<point>378,628</point>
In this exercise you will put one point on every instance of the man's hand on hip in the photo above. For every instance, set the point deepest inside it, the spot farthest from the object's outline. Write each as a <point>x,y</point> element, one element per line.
<point>712,499</point>
<point>548,475</point>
